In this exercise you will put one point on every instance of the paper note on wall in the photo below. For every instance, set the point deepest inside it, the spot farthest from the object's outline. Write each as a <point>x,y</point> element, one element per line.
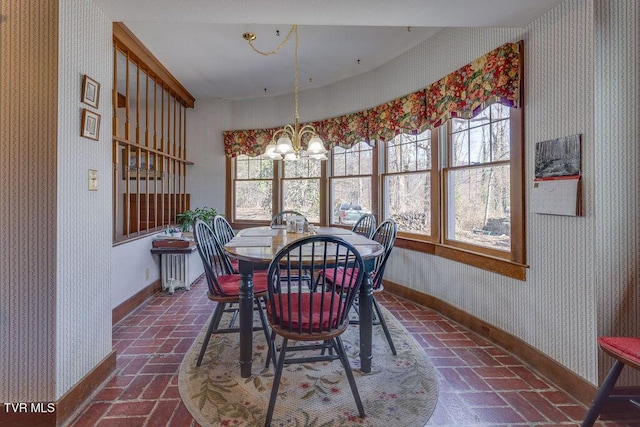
<point>560,196</point>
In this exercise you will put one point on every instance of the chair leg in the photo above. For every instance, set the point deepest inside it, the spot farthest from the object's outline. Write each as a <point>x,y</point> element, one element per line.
<point>376,306</point>
<point>213,325</point>
<point>276,382</point>
<point>217,315</point>
<point>234,317</point>
<point>317,281</point>
<point>271,352</point>
<point>263,319</point>
<point>337,343</point>
<point>603,394</point>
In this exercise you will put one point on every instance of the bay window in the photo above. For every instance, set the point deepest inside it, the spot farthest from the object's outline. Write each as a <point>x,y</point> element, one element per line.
<point>451,159</point>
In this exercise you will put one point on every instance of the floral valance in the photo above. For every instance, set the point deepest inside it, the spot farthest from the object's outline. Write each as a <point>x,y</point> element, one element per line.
<point>344,131</point>
<point>406,114</point>
<point>250,142</point>
<point>494,77</point>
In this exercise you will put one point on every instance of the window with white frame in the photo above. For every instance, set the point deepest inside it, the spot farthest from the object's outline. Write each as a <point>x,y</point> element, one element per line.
<point>253,185</point>
<point>408,186</point>
<point>301,187</point>
<point>351,183</point>
<point>477,180</point>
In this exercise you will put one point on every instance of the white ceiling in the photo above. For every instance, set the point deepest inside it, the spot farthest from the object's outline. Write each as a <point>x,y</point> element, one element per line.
<point>200,41</point>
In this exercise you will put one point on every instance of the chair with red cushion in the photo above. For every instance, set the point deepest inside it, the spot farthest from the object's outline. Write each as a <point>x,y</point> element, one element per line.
<point>385,234</point>
<point>225,233</point>
<point>626,351</point>
<point>365,226</point>
<point>316,318</point>
<point>224,285</point>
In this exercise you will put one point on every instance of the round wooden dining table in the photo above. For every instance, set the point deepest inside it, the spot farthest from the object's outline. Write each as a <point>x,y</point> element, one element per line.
<point>257,246</point>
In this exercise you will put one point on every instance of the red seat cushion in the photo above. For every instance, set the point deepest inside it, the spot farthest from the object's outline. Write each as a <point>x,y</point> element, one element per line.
<point>336,279</point>
<point>626,349</point>
<point>230,283</point>
<point>290,314</point>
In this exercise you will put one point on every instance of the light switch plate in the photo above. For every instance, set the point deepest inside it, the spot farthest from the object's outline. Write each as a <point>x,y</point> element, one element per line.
<point>93,180</point>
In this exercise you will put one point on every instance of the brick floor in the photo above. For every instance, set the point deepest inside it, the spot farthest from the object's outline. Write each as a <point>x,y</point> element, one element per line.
<point>479,384</point>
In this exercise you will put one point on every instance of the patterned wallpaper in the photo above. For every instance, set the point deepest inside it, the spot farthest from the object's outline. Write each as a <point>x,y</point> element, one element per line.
<point>55,263</point>
<point>84,218</point>
<point>617,165</point>
<point>581,77</point>
<point>27,199</point>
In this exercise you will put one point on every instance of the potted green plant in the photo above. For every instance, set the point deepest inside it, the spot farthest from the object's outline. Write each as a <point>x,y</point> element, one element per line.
<point>188,218</point>
<point>207,214</point>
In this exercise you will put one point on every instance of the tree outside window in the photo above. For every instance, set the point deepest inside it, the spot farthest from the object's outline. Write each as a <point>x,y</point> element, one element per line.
<point>407,183</point>
<point>253,188</point>
<point>352,183</point>
<point>478,202</point>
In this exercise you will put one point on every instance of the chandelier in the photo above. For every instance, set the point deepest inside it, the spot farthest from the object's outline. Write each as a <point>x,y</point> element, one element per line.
<point>286,143</point>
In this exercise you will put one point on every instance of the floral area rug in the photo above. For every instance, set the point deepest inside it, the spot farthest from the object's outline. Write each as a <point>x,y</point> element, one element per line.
<point>400,390</point>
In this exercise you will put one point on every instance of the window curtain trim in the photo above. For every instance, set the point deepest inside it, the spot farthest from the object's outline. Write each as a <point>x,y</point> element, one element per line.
<point>492,78</point>
<point>344,131</point>
<point>251,142</point>
<point>403,115</point>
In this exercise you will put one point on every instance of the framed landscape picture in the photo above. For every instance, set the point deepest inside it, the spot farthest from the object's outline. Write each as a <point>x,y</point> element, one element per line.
<point>90,124</point>
<point>130,168</point>
<point>90,91</point>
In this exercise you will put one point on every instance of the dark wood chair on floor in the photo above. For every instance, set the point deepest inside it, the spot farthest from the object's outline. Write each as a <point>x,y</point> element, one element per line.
<point>280,219</point>
<point>626,351</point>
<point>385,234</point>
<point>365,226</point>
<point>224,285</point>
<point>316,318</point>
<point>225,233</point>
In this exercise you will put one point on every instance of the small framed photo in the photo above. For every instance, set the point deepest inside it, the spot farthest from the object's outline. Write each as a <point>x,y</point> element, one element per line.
<point>90,124</point>
<point>144,172</point>
<point>90,91</point>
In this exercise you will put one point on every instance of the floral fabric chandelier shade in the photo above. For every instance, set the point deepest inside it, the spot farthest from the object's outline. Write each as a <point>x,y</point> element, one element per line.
<point>286,142</point>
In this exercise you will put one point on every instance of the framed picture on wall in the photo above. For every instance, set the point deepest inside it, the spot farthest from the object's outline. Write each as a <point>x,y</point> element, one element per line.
<point>131,170</point>
<point>90,124</point>
<point>90,91</point>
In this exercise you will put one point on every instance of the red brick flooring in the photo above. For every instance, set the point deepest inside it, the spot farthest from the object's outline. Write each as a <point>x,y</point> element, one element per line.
<point>479,384</point>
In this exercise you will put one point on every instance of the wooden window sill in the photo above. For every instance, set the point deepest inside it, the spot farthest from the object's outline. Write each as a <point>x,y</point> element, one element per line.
<point>486,262</point>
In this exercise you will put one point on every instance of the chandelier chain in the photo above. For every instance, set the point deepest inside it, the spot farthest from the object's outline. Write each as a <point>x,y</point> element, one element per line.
<point>294,31</point>
<point>295,60</point>
<point>277,49</point>
<point>289,138</point>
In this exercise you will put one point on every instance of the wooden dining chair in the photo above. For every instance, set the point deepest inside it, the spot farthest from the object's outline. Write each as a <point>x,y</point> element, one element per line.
<point>224,285</point>
<point>385,234</point>
<point>281,218</point>
<point>317,319</point>
<point>365,226</point>
<point>625,351</point>
<point>225,233</point>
